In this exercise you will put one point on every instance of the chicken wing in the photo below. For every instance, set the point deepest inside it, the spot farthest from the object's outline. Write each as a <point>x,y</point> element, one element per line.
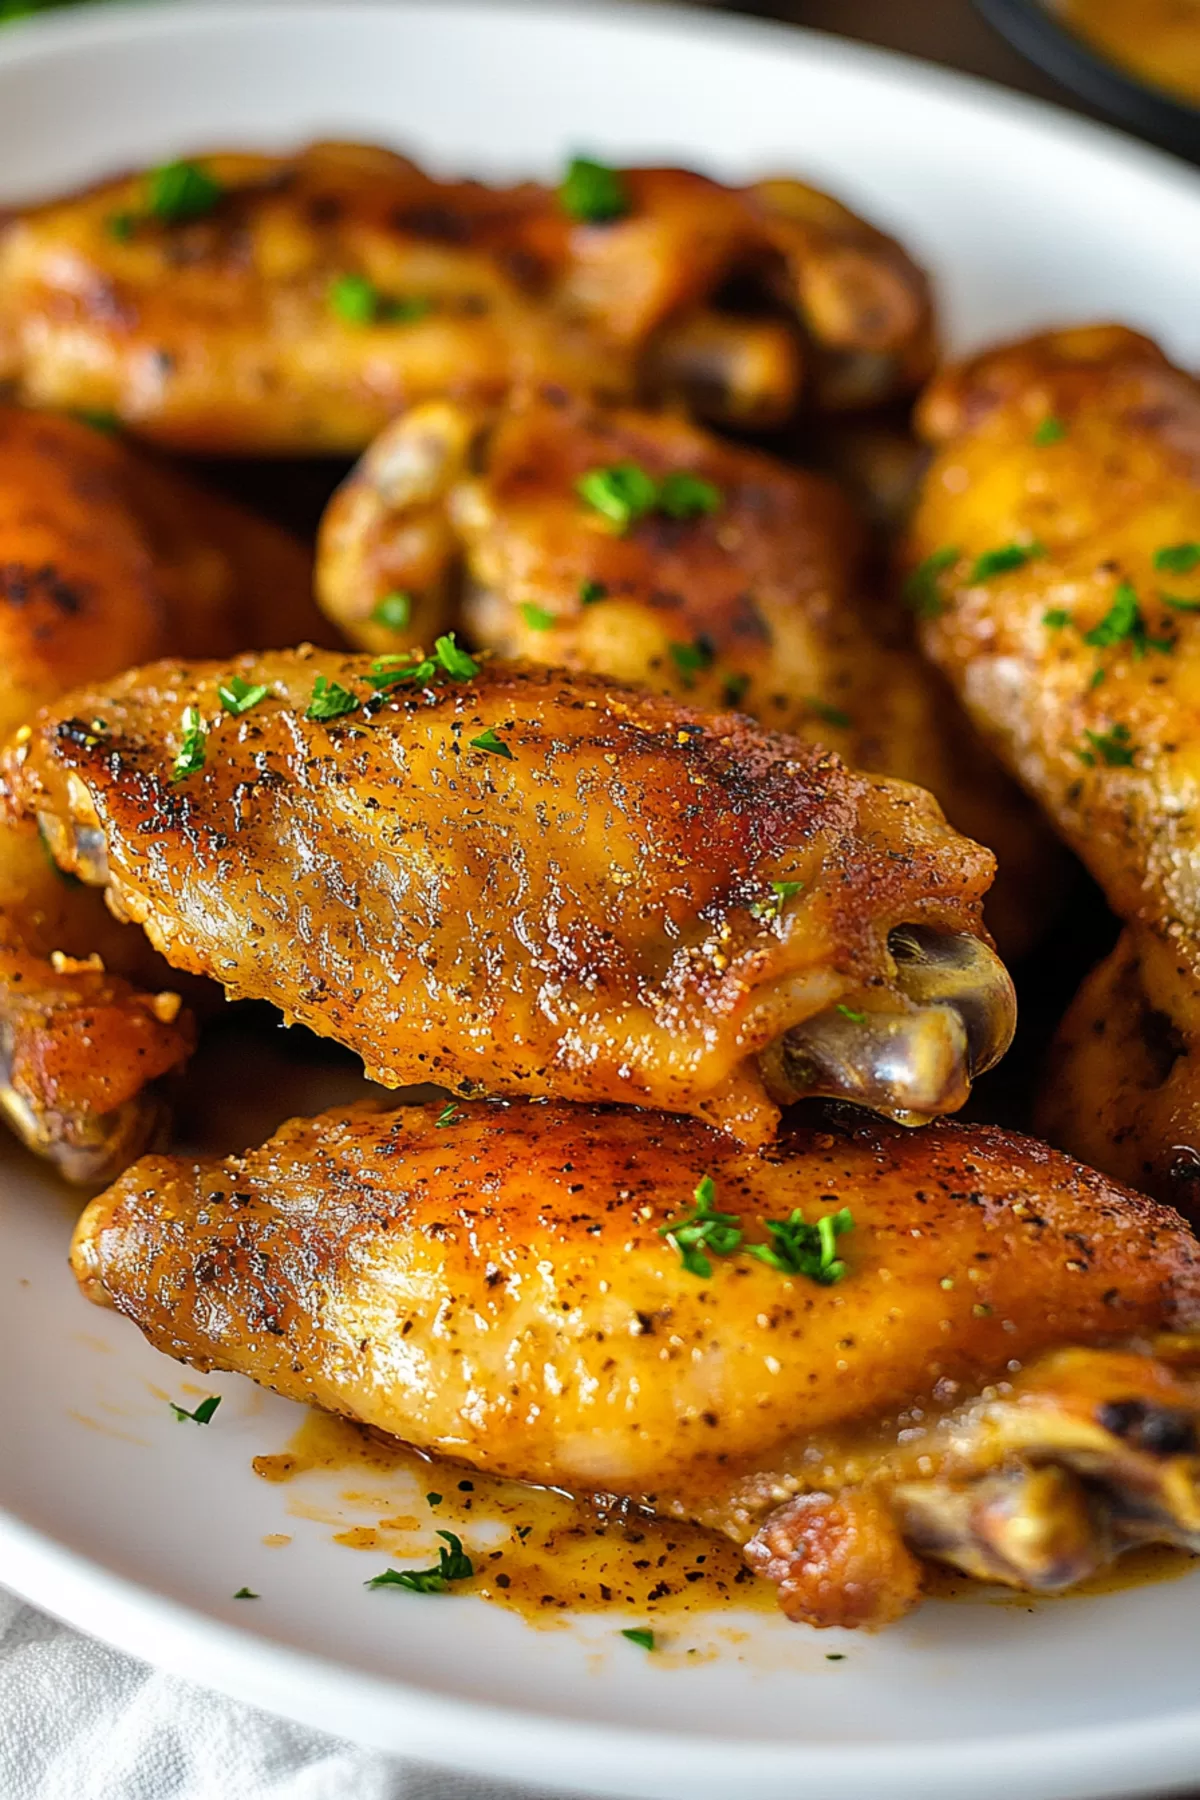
<point>864,1343</point>
<point>1057,555</point>
<point>105,559</point>
<point>252,303</point>
<point>1122,1080</point>
<point>512,880</point>
<point>726,578</point>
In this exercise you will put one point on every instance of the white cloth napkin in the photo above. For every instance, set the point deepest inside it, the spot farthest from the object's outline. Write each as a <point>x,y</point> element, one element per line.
<point>81,1722</point>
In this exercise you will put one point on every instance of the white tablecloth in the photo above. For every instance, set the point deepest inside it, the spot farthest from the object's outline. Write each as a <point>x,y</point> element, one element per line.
<point>80,1722</point>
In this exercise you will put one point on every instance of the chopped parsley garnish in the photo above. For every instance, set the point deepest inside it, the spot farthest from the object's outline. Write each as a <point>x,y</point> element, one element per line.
<point>357,301</point>
<point>1125,623</point>
<point>685,496</point>
<point>592,192</point>
<point>246,1594</point>
<point>487,740</point>
<point>1003,559</point>
<point>389,671</point>
<point>1177,559</point>
<point>808,1250</point>
<point>835,1656</point>
<point>734,690</point>
<point>1097,677</point>
<point>591,591</point>
<point>1178,604</point>
<point>536,617</point>
<point>830,715</point>
<point>703,1229</point>
<point>637,1634</point>
<point>1112,747</point>
<point>238,696</point>
<point>1056,618</point>
<point>452,1565</point>
<point>99,419</point>
<point>203,1413</point>
<point>192,750</point>
<point>121,226</point>
<point>781,893</point>
<point>853,1014</point>
<point>457,664</point>
<point>692,659</point>
<point>1050,431</point>
<point>330,700</point>
<point>179,191</point>
<point>921,587</point>
<point>449,1114</point>
<point>434,1499</point>
<point>394,610</point>
<point>623,492</point>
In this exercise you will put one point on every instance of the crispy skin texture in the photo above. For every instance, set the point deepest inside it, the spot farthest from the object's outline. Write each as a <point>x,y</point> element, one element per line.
<point>218,334</point>
<point>499,1290</point>
<point>759,604</point>
<point>1122,482</point>
<point>1122,1081</point>
<point>105,559</point>
<point>584,918</point>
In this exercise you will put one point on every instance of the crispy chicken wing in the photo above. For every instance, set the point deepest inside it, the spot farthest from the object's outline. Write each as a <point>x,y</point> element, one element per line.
<point>956,1361</point>
<point>257,303</point>
<point>1058,572</point>
<point>742,586</point>
<point>1122,1080</point>
<point>516,880</point>
<point>105,559</point>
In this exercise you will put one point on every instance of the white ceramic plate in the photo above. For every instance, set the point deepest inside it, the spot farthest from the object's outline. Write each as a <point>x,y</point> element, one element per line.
<point>139,1529</point>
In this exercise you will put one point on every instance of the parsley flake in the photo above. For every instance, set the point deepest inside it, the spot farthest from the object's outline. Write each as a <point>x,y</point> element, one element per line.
<point>703,1229</point>
<point>591,591</point>
<point>121,226</point>
<point>244,1593</point>
<point>536,617</point>
<point>637,1634</point>
<point>734,689</point>
<point>457,664</point>
<point>390,671</point>
<point>1113,748</point>
<point>180,191</point>
<point>1050,431</point>
<point>622,492</point>
<point>452,1565</point>
<point>1177,559</point>
<point>487,740</point>
<point>592,192</point>
<point>1125,623</point>
<point>394,610</point>
<point>770,908</point>
<point>329,700</point>
<point>1056,618</point>
<point>829,715</point>
<point>193,748</point>
<point>357,301</point>
<point>920,589</point>
<point>692,659</point>
<point>99,419</point>
<point>449,1114</point>
<point>809,1250</point>
<point>1178,604</point>
<point>1004,559</point>
<point>852,1013</point>
<point>238,696</point>
<point>682,495</point>
<point>203,1413</point>
<point>434,1499</point>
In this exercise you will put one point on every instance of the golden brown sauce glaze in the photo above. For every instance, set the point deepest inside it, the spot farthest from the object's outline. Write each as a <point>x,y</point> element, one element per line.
<point>539,1552</point>
<point>544,1554</point>
<point>1158,41</point>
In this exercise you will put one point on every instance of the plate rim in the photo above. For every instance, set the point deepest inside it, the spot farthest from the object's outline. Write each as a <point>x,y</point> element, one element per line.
<point>400,1715</point>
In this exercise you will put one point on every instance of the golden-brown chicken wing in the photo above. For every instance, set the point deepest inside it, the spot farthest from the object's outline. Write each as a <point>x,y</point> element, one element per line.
<point>716,574</point>
<point>1057,556</point>
<point>509,879</point>
<point>251,303</point>
<point>866,1341</point>
<point>1122,1081</point>
<point>105,559</point>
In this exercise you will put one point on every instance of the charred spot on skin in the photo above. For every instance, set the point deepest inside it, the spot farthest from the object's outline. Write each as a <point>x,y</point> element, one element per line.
<point>1155,1430</point>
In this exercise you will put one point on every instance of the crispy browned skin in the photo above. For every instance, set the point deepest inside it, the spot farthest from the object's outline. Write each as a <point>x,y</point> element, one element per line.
<point>499,1289</point>
<point>591,915</point>
<point>1107,737</point>
<point>105,559</point>
<point>1122,1080</point>
<point>758,604</point>
<point>217,333</point>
